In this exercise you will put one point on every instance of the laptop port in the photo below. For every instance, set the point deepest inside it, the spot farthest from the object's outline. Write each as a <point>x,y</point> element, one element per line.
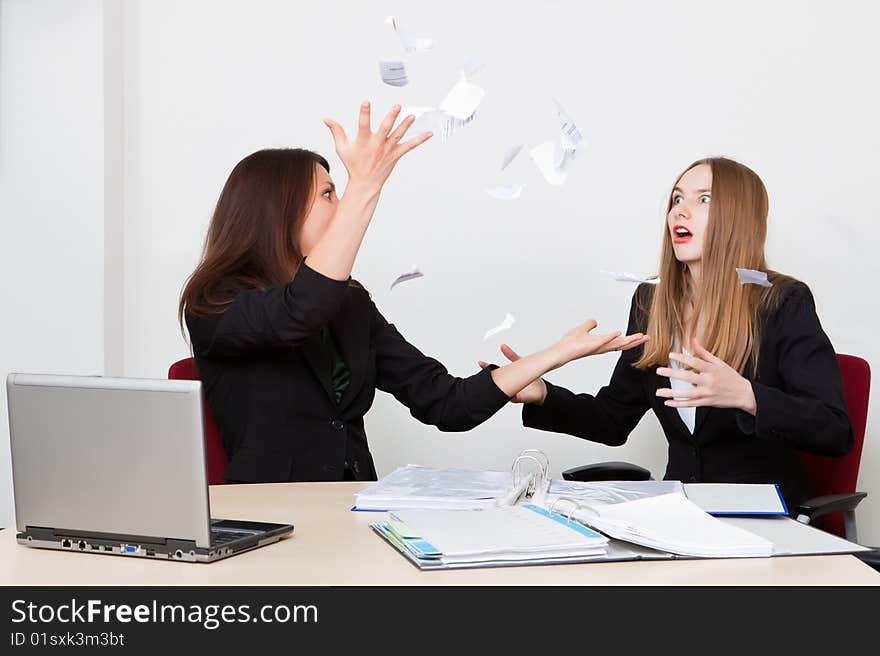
<point>65,544</point>
<point>106,548</point>
<point>150,552</point>
<point>129,548</point>
<point>82,545</point>
<point>178,554</point>
<point>94,547</point>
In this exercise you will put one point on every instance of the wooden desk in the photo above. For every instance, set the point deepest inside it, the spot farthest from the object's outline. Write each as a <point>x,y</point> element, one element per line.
<point>333,546</point>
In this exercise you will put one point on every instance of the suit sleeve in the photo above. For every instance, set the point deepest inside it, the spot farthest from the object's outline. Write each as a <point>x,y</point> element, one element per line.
<point>611,415</point>
<point>423,384</point>
<point>285,315</point>
<point>808,411</point>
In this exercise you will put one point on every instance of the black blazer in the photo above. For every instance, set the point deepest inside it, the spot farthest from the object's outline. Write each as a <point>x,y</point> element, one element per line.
<point>266,377</point>
<point>798,390</point>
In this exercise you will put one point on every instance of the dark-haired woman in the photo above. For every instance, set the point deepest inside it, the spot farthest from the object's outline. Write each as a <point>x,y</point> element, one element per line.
<point>291,350</point>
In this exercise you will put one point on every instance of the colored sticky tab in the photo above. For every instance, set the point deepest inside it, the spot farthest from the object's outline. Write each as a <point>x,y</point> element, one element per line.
<point>422,548</point>
<point>401,530</point>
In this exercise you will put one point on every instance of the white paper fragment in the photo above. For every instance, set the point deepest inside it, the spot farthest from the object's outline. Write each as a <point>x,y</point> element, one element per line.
<point>434,120</point>
<point>506,192</point>
<point>752,277</point>
<point>462,100</point>
<point>629,277</point>
<point>571,137</point>
<point>504,325</point>
<point>473,65</point>
<point>393,73</point>
<point>544,157</point>
<point>410,43</point>
<point>409,275</point>
<point>510,153</point>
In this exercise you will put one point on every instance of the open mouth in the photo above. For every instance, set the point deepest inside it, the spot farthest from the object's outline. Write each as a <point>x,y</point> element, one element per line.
<point>681,235</point>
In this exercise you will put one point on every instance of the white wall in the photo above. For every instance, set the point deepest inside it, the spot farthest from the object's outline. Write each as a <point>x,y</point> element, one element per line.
<point>784,87</point>
<point>51,196</point>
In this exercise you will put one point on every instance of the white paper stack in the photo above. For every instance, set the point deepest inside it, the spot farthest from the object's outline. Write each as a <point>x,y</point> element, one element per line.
<point>519,533</point>
<point>422,487</point>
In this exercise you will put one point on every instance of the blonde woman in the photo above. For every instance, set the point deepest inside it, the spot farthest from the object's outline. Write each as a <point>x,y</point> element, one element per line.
<point>740,376</point>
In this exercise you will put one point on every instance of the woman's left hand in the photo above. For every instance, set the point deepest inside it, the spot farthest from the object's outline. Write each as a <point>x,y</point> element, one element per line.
<point>716,384</point>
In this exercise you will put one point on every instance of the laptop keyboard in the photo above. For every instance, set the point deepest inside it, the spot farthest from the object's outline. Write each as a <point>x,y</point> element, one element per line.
<point>220,537</point>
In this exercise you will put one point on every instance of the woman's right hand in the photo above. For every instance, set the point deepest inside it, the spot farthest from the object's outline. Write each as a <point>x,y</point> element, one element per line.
<point>371,156</point>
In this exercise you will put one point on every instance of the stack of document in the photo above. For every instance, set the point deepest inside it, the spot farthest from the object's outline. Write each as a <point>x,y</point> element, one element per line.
<point>516,535</point>
<point>446,489</point>
<point>672,523</point>
<point>604,492</point>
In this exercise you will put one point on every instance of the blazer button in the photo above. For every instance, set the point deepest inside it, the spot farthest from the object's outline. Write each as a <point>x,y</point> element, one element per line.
<point>337,425</point>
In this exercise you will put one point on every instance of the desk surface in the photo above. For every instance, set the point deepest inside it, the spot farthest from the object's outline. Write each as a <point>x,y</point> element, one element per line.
<point>333,546</point>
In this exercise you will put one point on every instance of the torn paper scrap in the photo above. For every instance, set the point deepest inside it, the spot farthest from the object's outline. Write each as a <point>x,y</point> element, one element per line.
<point>410,43</point>
<point>510,153</point>
<point>473,65</point>
<point>625,276</point>
<point>752,277</point>
<point>393,73</point>
<point>409,275</point>
<point>504,325</point>
<point>506,192</point>
<point>571,136</point>
<point>462,100</point>
<point>544,157</point>
<point>434,120</point>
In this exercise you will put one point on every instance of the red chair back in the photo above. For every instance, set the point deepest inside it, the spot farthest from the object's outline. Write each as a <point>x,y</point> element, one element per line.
<point>215,451</point>
<point>840,475</point>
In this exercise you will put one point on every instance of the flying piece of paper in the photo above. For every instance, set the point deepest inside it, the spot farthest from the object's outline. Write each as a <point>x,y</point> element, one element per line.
<point>410,43</point>
<point>624,276</point>
<point>409,275</point>
<point>504,325</point>
<point>393,73</point>
<point>752,277</point>
<point>506,192</point>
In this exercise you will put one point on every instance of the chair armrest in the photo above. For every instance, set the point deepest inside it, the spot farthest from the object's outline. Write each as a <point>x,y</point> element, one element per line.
<point>607,471</point>
<point>871,558</point>
<point>816,507</point>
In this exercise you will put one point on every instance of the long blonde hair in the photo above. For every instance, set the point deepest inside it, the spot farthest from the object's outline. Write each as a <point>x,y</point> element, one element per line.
<point>735,236</point>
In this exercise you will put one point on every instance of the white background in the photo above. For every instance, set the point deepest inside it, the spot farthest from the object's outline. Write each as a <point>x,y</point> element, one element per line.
<point>119,123</point>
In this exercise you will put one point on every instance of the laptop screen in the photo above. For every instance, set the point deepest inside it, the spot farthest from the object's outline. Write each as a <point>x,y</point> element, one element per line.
<point>114,456</point>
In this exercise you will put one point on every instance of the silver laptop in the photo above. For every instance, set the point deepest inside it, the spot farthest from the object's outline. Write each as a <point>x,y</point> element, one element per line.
<point>117,466</point>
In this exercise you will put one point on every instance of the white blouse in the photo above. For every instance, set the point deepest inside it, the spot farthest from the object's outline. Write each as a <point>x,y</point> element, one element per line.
<point>688,415</point>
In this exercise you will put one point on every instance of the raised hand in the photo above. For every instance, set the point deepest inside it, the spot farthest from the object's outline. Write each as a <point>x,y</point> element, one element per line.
<point>715,383</point>
<point>371,156</point>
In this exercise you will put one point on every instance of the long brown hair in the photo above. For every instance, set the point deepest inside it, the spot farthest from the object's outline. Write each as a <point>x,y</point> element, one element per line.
<point>735,236</point>
<point>252,238</point>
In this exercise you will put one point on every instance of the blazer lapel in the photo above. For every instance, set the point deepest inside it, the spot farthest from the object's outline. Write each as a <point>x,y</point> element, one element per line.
<point>319,360</point>
<point>672,413</point>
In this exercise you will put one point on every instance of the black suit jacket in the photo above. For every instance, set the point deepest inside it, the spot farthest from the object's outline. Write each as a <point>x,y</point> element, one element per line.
<point>798,390</point>
<point>266,377</point>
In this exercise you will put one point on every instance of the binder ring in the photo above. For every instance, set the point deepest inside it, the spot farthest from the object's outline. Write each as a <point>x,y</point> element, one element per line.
<point>573,503</point>
<point>541,457</point>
